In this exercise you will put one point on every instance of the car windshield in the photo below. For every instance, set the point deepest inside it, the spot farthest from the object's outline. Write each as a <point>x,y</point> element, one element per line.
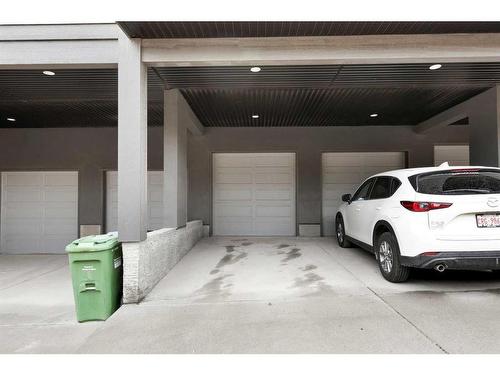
<point>458,182</point>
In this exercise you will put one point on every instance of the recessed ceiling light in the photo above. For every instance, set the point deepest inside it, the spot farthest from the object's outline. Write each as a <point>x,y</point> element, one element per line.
<point>49,73</point>
<point>255,69</point>
<point>374,115</point>
<point>435,66</point>
<point>255,116</point>
<point>11,119</point>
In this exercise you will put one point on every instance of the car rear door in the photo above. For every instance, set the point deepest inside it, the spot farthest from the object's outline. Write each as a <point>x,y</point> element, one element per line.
<point>373,206</point>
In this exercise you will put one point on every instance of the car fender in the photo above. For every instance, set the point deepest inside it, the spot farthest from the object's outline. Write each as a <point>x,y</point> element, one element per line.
<point>386,223</point>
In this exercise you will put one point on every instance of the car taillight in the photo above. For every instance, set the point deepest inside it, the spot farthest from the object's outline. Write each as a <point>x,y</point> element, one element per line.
<point>424,206</point>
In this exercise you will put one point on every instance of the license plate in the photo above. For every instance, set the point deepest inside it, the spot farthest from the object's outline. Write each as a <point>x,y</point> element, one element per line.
<point>488,221</point>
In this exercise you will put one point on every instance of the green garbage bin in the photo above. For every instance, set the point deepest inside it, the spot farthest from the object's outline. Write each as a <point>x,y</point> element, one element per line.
<point>96,270</point>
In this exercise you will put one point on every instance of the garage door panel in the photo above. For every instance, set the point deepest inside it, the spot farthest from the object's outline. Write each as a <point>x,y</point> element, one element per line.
<point>235,160</point>
<point>233,177</point>
<point>49,244</point>
<point>54,227</point>
<point>19,244</point>
<point>18,227</point>
<point>275,210</point>
<point>235,227</point>
<point>21,210</point>
<point>352,177</point>
<point>265,182</point>
<point>284,194</point>
<point>41,215</point>
<point>233,192</point>
<point>60,194</point>
<point>343,172</point>
<point>273,160</point>
<point>273,228</point>
<point>273,177</point>
<point>233,211</point>
<point>455,155</point>
<point>156,196</point>
<point>22,194</point>
<point>22,179</point>
<point>155,200</point>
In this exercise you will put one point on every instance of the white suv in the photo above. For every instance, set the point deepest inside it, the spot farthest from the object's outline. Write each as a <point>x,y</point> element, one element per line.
<point>440,217</point>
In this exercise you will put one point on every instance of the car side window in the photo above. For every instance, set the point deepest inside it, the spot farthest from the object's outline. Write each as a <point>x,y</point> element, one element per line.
<point>395,184</point>
<point>363,192</point>
<point>381,188</point>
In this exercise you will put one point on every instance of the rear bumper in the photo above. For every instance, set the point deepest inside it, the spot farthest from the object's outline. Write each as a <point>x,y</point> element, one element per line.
<point>463,260</point>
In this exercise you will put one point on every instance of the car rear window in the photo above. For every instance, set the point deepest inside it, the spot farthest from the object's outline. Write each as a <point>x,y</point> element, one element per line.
<point>457,182</point>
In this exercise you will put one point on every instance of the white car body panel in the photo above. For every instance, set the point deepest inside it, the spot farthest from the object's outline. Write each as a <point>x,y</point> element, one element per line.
<point>451,229</point>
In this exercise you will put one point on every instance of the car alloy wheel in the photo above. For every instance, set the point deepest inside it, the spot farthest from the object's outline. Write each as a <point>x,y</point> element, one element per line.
<point>340,232</point>
<point>385,256</point>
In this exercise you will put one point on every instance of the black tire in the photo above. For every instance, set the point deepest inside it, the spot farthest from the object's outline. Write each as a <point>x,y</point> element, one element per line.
<point>387,252</point>
<point>340,232</point>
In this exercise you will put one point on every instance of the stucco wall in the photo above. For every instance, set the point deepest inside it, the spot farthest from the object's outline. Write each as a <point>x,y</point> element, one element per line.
<point>91,151</point>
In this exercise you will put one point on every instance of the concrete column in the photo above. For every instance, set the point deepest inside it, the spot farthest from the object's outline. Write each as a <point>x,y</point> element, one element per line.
<point>174,161</point>
<point>484,120</point>
<point>132,141</point>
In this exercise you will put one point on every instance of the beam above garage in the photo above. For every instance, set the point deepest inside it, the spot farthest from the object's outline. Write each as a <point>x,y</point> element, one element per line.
<point>58,46</point>
<point>371,49</point>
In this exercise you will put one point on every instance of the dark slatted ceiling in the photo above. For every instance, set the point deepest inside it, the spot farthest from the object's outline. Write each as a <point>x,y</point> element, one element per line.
<point>402,94</point>
<point>293,29</point>
<point>323,76</point>
<point>321,107</point>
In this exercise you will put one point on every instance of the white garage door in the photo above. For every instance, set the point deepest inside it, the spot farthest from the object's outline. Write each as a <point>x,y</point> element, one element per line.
<point>155,200</point>
<point>39,211</point>
<point>343,172</point>
<point>254,194</point>
<point>454,154</point>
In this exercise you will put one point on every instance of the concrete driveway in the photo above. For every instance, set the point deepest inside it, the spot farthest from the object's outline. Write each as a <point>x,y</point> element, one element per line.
<point>259,295</point>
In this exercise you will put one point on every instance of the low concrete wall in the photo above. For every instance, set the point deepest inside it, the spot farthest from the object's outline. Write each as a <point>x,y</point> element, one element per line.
<point>146,263</point>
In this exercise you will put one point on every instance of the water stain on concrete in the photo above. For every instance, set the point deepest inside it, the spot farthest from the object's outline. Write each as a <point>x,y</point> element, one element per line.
<point>306,281</point>
<point>230,248</point>
<point>313,281</point>
<point>215,289</point>
<point>213,272</point>
<point>309,267</point>
<point>230,258</point>
<point>292,254</point>
<point>239,240</point>
<point>282,246</point>
<point>246,243</point>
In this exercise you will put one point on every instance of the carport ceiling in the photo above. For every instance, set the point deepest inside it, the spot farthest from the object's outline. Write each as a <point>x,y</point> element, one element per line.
<point>291,29</point>
<point>401,94</point>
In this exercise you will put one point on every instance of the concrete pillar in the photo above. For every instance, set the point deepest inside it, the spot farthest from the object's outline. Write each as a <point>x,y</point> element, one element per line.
<point>174,161</point>
<point>132,141</point>
<point>484,120</point>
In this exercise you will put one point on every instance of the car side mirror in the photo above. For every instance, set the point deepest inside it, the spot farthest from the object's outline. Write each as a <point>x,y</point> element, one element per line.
<point>346,198</point>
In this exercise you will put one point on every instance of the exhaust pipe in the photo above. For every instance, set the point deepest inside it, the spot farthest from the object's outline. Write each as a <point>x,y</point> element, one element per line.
<point>440,267</point>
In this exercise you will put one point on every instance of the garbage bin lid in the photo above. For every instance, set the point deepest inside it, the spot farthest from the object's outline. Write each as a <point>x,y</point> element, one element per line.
<point>99,242</point>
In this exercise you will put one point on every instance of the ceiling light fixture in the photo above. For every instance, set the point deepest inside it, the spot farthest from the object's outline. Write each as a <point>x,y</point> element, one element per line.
<point>374,115</point>
<point>11,119</point>
<point>255,69</point>
<point>49,73</point>
<point>255,116</point>
<point>435,66</point>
